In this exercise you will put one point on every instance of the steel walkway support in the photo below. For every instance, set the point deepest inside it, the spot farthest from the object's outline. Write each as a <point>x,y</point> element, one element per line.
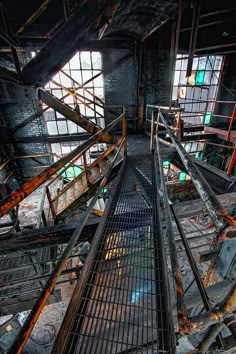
<point>121,303</point>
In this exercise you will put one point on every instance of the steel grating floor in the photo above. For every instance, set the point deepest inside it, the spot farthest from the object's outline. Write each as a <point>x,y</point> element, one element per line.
<point>123,308</point>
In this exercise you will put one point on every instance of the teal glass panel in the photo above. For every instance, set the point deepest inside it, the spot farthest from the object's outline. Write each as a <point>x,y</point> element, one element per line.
<point>182,176</point>
<point>198,155</point>
<point>165,163</point>
<point>199,77</point>
<point>207,117</point>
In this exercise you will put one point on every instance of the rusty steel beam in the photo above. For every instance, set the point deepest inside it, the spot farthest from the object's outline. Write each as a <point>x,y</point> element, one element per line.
<point>232,162</point>
<point>16,197</point>
<point>34,16</point>
<point>217,315</point>
<point>222,134</point>
<point>71,114</point>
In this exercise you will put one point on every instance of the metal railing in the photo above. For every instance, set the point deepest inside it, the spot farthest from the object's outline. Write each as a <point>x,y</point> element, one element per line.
<point>54,193</point>
<point>220,218</point>
<point>28,326</point>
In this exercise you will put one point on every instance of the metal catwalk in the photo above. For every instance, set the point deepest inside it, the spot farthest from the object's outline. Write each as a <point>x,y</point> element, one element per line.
<point>124,305</point>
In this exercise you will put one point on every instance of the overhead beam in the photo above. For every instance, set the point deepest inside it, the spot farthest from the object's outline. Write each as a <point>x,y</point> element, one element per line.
<point>61,47</point>
<point>71,114</point>
<point>34,16</point>
<point>222,134</point>
<point>53,138</point>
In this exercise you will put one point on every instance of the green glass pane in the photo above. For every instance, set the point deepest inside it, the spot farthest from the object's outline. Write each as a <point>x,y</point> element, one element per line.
<point>199,77</point>
<point>165,163</point>
<point>207,118</point>
<point>72,172</point>
<point>182,176</point>
<point>198,155</point>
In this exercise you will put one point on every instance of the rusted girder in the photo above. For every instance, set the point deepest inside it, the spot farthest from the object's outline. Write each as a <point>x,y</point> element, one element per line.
<point>71,114</point>
<point>209,318</point>
<point>34,16</point>
<point>16,197</point>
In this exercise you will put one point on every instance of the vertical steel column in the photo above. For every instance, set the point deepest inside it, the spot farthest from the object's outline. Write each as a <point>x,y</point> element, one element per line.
<point>232,162</point>
<point>193,36</point>
<point>124,132</point>
<point>231,121</point>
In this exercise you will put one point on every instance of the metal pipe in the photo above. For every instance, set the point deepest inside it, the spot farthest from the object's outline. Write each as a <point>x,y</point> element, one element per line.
<point>181,308</point>
<point>192,262</point>
<point>216,211</point>
<point>28,326</point>
<point>210,337</point>
<point>16,197</point>
<point>225,310</point>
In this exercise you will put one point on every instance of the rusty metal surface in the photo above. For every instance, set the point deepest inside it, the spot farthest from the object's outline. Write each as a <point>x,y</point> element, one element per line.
<point>16,197</point>
<point>71,114</point>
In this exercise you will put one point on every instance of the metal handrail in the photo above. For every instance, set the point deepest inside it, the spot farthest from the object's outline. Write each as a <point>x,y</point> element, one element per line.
<point>82,153</point>
<point>28,326</point>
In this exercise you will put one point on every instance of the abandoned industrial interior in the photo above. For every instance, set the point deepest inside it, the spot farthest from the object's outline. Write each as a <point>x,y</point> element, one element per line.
<point>117,176</point>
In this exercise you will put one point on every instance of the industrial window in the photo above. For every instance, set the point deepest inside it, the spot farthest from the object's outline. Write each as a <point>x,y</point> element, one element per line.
<point>78,84</point>
<point>197,93</point>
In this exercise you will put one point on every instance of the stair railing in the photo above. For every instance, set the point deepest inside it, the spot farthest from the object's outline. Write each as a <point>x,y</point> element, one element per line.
<point>52,199</point>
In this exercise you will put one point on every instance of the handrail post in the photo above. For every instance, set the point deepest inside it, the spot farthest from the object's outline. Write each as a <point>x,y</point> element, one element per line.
<point>51,203</point>
<point>124,133</point>
<point>152,131</point>
<point>86,168</point>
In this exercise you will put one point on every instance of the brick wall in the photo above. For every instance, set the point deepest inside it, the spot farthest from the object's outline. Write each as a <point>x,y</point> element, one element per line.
<point>17,104</point>
<point>157,83</point>
<point>120,80</point>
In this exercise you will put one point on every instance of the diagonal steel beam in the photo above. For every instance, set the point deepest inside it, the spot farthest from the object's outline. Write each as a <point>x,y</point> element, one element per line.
<point>74,116</point>
<point>63,45</point>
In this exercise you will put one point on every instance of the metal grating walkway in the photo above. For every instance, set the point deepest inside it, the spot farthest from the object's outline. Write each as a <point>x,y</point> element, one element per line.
<point>124,304</point>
